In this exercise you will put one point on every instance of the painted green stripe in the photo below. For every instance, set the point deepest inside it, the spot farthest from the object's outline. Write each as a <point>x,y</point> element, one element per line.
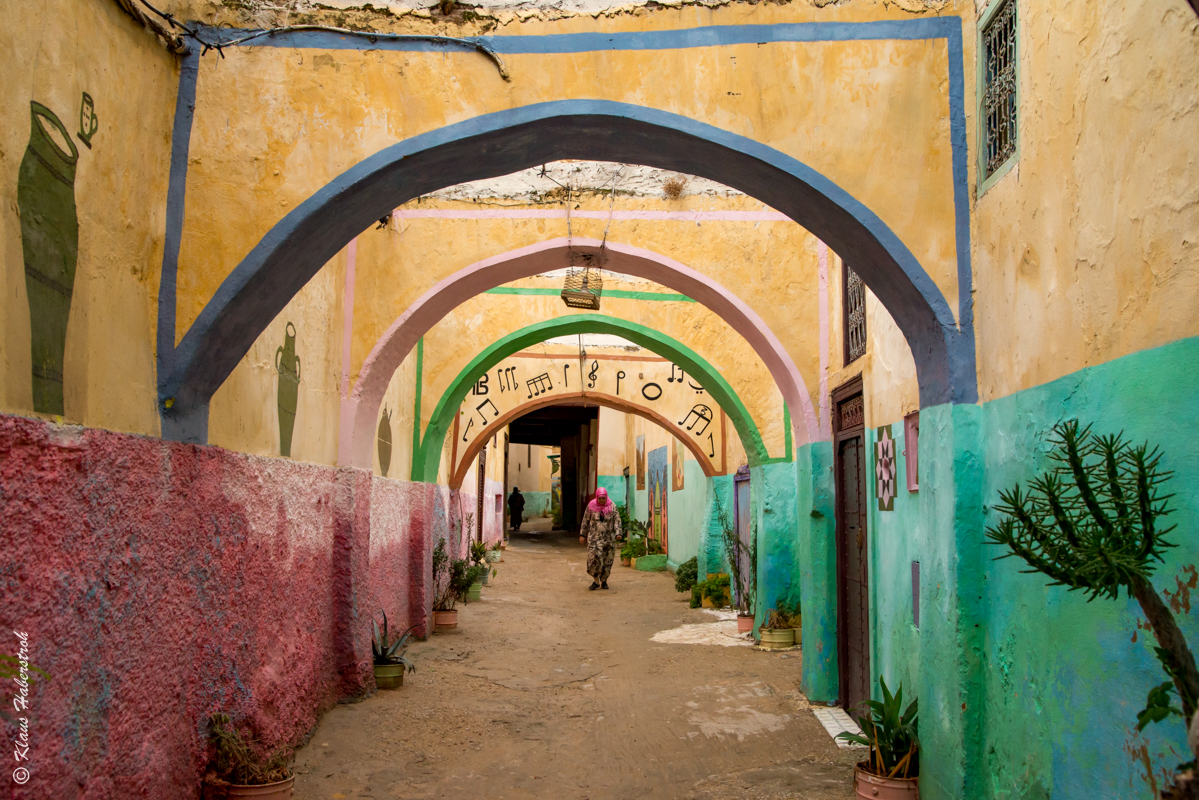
<point>420,368</point>
<point>447,407</point>
<point>614,294</point>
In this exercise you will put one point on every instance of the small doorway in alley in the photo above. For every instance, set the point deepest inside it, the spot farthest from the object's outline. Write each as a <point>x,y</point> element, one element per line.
<point>853,603</point>
<point>574,430</point>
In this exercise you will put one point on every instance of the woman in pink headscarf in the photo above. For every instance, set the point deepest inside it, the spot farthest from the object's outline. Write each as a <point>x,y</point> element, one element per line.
<point>601,527</point>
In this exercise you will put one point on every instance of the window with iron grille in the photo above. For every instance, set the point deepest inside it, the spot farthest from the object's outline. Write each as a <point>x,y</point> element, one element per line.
<point>853,311</point>
<point>997,67</point>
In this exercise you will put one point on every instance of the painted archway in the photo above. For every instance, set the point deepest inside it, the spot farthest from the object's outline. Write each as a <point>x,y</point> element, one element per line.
<point>360,411</point>
<point>575,399</point>
<point>426,460</point>
<point>296,248</point>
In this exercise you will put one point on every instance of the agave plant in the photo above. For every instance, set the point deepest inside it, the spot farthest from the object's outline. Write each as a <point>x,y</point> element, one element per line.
<point>390,653</point>
<point>478,553</point>
<point>890,735</point>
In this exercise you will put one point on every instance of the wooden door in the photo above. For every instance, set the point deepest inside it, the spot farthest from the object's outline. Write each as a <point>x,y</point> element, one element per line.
<point>853,594</point>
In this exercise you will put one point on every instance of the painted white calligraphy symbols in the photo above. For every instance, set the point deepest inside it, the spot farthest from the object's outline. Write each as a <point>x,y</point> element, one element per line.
<point>539,384</point>
<point>702,414</point>
<point>479,408</point>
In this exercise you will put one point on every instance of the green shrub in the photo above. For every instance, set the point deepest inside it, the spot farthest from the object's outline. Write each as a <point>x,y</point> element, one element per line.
<point>715,589</point>
<point>697,596</point>
<point>633,548</point>
<point>687,575</point>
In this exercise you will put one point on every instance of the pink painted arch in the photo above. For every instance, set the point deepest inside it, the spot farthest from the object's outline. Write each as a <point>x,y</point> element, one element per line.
<point>360,409</point>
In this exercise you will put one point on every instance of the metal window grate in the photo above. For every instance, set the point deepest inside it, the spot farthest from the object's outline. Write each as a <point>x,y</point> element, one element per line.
<point>855,316</point>
<point>999,86</point>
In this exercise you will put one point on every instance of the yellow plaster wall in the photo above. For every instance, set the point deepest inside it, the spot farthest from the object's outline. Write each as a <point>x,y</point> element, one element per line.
<point>613,437</point>
<point>244,413</point>
<point>1087,249</point>
<point>852,110</point>
<point>53,51</point>
<point>399,400</point>
<point>889,386</point>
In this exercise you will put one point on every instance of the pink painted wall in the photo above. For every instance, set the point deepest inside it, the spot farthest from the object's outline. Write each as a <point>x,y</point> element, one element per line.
<point>161,582</point>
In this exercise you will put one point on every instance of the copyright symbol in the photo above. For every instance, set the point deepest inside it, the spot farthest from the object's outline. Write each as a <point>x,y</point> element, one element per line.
<point>20,775</point>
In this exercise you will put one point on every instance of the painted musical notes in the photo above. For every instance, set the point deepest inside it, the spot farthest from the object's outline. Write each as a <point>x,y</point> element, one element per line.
<point>487,402</point>
<point>620,376</point>
<point>466,431</point>
<point>672,378</point>
<point>507,379</point>
<point>565,382</point>
<point>591,375</point>
<point>645,391</point>
<point>702,414</point>
<point>481,385</point>
<point>539,385</point>
<point>698,389</point>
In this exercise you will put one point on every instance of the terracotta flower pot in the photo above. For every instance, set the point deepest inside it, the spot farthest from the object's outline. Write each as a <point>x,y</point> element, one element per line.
<point>279,790</point>
<point>876,788</point>
<point>626,562</point>
<point>389,676</point>
<point>745,623</point>
<point>445,620</point>
<point>777,638</point>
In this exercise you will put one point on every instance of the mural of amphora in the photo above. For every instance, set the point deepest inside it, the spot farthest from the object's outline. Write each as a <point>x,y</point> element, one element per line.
<point>287,364</point>
<point>385,442</point>
<point>50,241</point>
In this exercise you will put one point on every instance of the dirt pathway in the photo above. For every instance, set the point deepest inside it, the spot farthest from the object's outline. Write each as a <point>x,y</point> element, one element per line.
<point>548,690</point>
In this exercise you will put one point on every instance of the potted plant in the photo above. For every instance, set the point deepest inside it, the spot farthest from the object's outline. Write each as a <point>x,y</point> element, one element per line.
<point>633,549</point>
<point>687,575</point>
<point>474,581</point>
<point>743,566</point>
<point>451,582</point>
<point>781,628</point>
<point>238,769</point>
<point>894,764</point>
<point>714,592</point>
<point>390,662</point>
<point>479,558</point>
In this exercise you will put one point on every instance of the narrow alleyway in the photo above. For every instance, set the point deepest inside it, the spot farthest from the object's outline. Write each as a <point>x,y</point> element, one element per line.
<point>549,690</point>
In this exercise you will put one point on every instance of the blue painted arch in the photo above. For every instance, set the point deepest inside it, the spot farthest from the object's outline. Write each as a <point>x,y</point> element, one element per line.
<point>495,144</point>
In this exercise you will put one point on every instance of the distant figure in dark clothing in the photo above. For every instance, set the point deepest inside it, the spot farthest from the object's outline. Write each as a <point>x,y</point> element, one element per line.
<point>516,508</point>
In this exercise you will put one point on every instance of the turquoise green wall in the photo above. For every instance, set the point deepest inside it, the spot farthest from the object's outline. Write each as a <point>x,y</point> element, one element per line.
<point>1064,678</point>
<point>710,557</point>
<point>688,514</point>
<point>817,569</point>
<point>537,504</point>
<point>772,495</point>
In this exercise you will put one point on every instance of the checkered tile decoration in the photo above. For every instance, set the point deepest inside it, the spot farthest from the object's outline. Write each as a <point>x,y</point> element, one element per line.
<point>884,468</point>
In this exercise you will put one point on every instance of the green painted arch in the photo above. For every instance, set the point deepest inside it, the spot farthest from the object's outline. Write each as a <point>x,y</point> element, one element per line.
<point>426,461</point>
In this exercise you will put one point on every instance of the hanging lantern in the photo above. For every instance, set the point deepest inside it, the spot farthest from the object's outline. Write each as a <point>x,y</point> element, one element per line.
<point>583,288</point>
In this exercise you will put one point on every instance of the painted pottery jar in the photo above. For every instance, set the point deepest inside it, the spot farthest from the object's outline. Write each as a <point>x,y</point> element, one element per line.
<point>384,438</point>
<point>389,676</point>
<point>280,790</point>
<point>877,788</point>
<point>287,364</point>
<point>50,243</point>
